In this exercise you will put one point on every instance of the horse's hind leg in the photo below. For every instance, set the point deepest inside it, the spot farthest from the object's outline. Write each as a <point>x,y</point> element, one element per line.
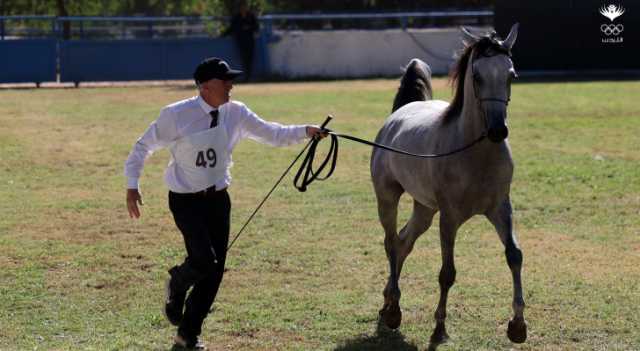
<point>400,248</point>
<point>419,222</point>
<point>388,196</point>
<point>501,218</point>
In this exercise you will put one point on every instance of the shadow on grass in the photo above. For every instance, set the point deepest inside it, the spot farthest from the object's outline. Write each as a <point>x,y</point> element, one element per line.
<point>384,339</point>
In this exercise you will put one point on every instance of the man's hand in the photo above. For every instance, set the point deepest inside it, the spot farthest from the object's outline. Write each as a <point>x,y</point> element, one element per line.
<point>315,132</point>
<point>133,199</point>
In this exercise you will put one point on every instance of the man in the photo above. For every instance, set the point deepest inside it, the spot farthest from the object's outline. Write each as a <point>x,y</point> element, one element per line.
<point>200,133</point>
<point>244,26</point>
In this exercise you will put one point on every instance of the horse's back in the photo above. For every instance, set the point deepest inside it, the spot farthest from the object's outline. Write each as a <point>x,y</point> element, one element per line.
<point>416,119</point>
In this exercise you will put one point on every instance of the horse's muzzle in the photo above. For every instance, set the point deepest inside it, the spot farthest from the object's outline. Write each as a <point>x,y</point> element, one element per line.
<point>496,114</point>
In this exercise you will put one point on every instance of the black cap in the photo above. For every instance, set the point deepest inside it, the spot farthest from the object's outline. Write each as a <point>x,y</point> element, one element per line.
<point>214,68</point>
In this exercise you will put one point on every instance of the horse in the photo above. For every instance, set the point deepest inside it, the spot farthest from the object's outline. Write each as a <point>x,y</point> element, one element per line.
<point>475,181</point>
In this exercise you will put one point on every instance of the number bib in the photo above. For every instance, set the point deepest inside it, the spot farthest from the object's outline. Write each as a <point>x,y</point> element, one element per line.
<point>202,157</point>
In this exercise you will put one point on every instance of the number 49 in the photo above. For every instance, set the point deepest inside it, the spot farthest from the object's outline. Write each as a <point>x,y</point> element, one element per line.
<point>206,159</point>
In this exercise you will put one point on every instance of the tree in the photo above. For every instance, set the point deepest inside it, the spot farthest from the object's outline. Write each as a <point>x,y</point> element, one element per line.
<point>221,7</point>
<point>66,25</point>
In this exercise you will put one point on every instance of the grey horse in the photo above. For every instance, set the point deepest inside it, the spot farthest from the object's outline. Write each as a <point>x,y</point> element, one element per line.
<point>475,181</point>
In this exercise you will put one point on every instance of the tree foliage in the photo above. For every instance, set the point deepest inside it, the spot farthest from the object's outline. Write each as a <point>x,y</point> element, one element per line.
<point>219,7</point>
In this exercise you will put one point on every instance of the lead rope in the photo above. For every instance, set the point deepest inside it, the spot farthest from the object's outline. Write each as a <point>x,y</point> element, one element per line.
<point>310,175</point>
<point>313,142</point>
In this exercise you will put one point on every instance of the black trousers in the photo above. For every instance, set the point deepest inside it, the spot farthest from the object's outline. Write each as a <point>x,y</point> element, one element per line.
<point>203,219</point>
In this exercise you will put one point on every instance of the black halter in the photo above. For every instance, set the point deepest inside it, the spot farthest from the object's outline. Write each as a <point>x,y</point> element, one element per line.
<point>495,45</point>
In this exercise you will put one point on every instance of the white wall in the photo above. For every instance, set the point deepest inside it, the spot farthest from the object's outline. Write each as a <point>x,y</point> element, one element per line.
<point>360,53</point>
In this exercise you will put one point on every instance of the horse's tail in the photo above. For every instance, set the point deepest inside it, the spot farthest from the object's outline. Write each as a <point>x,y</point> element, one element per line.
<point>415,84</point>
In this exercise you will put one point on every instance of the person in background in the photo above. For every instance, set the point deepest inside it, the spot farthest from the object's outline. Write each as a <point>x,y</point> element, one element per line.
<point>244,26</point>
<point>201,133</point>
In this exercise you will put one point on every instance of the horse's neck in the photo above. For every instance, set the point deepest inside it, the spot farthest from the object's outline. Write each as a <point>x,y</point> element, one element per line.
<point>471,123</point>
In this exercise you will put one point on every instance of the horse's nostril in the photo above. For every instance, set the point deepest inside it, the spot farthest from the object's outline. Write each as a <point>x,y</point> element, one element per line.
<point>504,133</point>
<point>498,134</point>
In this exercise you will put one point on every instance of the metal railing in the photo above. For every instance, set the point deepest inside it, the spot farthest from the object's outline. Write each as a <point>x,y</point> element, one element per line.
<point>27,26</point>
<point>21,27</point>
<point>93,27</point>
<point>404,20</point>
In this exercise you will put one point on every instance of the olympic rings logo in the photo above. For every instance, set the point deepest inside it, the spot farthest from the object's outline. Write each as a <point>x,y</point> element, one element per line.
<point>611,29</point>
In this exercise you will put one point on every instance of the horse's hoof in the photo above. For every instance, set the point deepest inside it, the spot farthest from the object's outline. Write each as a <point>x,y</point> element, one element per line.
<point>517,331</point>
<point>439,335</point>
<point>391,315</point>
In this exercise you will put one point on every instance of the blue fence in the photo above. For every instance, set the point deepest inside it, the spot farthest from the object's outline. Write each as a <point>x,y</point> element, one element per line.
<point>120,60</point>
<point>28,60</point>
<point>160,48</point>
<point>162,59</point>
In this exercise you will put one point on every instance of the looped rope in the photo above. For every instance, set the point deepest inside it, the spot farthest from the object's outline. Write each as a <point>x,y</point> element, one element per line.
<point>307,165</point>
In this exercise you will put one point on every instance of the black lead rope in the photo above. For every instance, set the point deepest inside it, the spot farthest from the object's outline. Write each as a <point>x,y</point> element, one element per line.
<point>402,152</point>
<point>311,175</point>
<point>313,143</point>
<point>307,165</point>
<point>269,194</point>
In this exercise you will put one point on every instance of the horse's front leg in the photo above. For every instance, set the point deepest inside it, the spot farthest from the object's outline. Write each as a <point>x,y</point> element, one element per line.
<point>501,218</point>
<point>448,229</point>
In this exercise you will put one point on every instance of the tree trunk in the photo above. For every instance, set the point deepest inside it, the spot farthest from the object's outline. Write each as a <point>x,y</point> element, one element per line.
<point>66,25</point>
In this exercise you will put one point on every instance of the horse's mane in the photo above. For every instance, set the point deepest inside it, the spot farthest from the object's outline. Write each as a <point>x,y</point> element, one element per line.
<point>459,71</point>
<point>415,84</point>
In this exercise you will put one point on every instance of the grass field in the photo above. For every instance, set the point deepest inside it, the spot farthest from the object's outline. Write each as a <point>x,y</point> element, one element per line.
<point>77,274</point>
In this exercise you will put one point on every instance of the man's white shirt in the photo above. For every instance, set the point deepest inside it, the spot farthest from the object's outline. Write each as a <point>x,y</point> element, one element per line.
<point>190,116</point>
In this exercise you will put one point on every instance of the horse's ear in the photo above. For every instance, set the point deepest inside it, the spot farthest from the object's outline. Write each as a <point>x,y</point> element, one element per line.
<point>468,38</point>
<point>511,38</point>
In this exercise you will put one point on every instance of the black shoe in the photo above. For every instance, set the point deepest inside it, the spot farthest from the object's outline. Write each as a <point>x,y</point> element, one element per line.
<point>174,303</point>
<point>184,343</point>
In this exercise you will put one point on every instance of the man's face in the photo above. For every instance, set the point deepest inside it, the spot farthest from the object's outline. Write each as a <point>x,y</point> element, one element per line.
<point>216,92</point>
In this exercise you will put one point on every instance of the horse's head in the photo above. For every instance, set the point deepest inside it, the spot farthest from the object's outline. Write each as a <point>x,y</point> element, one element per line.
<point>491,72</point>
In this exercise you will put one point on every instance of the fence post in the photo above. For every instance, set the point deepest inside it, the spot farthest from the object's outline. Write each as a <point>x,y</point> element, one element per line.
<point>268,28</point>
<point>54,28</point>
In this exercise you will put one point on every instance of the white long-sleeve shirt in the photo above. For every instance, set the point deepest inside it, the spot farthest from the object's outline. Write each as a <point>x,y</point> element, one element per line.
<point>190,116</point>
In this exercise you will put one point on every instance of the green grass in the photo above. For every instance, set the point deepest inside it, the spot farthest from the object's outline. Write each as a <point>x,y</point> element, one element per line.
<point>308,273</point>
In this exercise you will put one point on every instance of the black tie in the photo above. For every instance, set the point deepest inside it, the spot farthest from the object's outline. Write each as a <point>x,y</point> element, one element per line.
<point>214,118</point>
